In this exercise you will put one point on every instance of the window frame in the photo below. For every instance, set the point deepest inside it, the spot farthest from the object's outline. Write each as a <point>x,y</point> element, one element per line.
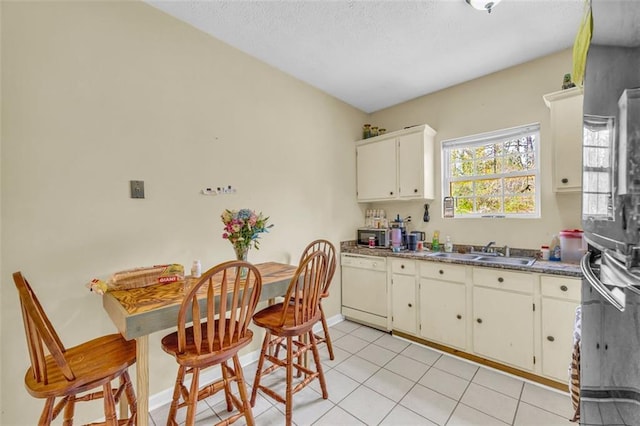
<point>488,138</point>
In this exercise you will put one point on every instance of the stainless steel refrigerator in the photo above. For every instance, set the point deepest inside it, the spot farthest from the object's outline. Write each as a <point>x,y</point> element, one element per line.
<point>610,328</point>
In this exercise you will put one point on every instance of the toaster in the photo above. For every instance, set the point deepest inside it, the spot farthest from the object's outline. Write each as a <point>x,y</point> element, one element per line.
<point>381,237</point>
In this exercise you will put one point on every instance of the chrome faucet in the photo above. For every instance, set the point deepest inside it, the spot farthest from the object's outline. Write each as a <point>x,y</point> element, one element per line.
<point>486,248</point>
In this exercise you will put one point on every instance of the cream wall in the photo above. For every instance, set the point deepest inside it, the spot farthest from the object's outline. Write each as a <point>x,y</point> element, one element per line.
<point>100,93</point>
<point>507,98</point>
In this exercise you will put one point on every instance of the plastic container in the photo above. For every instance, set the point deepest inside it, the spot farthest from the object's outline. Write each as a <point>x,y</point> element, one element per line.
<point>196,269</point>
<point>545,252</point>
<point>571,245</point>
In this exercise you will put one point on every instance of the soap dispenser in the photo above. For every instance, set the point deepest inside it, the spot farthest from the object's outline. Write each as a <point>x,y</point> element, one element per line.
<point>448,245</point>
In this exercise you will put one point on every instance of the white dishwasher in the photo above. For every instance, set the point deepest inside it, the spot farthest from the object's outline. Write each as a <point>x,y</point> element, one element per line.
<point>364,289</point>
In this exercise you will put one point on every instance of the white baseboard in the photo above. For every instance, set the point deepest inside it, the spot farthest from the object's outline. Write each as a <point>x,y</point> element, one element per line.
<point>164,397</point>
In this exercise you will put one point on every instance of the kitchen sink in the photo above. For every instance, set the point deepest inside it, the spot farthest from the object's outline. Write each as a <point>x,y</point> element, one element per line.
<point>522,261</point>
<point>498,260</point>
<point>460,256</point>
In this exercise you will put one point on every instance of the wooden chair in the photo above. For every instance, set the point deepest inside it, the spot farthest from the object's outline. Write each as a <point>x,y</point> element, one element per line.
<point>327,248</point>
<point>290,319</point>
<point>228,302</point>
<point>67,373</point>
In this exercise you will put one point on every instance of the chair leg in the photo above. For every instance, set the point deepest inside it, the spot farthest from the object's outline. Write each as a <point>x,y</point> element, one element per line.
<point>256,380</point>
<point>316,358</point>
<point>242,389</point>
<point>227,386</point>
<point>289,394</point>
<point>47,412</point>
<point>173,409</point>
<point>69,411</point>
<point>110,418</point>
<point>325,329</point>
<point>193,397</point>
<point>131,399</point>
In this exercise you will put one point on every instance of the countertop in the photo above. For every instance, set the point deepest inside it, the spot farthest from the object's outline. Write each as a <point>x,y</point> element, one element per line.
<point>540,266</point>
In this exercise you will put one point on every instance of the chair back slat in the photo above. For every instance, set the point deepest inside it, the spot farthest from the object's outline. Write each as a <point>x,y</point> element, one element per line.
<point>231,299</point>
<point>40,333</point>
<point>305,289</point>
<point>327,248</point>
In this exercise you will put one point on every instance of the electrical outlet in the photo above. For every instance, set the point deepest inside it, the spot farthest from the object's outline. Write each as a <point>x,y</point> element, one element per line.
<point>137,188</point>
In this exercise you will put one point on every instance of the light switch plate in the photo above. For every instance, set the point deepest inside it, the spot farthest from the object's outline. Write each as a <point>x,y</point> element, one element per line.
<point>137,188</point>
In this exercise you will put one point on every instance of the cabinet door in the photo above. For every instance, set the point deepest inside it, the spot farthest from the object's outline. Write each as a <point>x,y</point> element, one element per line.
<point>558,317</point>
<point>442,312</point>
<point>503,326</point>
<point>566,134</point>
<point>403,303</point>
<point>411,166</point>
<point>376,170</point>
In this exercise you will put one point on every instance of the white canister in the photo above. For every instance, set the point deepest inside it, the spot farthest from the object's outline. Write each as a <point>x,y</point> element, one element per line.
<point>196,269</point>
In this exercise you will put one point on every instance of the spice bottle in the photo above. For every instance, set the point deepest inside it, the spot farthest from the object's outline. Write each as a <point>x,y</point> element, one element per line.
<point>366,131</point>
<point>374,131</point>
<point>196,269</point>
<point>545,252</point>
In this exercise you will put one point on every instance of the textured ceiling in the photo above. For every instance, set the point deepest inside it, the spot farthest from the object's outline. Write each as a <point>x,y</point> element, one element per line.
<point>375,54</point>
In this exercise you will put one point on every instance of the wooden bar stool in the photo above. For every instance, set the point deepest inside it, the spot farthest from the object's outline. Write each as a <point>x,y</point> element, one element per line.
<point>293,318</point>
<point>228,300</point>
<point>328,249</point>
<point>68,372</point>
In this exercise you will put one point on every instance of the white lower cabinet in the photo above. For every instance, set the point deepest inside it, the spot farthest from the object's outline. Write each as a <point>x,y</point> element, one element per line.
<point>403,296</point>
<point>560,298</point>
<point>503,316</point>
<point>519,319</point>
<point>443,304</point>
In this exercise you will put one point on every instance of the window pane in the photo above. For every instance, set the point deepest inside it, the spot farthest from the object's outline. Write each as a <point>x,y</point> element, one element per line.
<point>461,168</point>
<point>518,163</point>
<point>461,189</point>
<point>596,157</point>
<point>464,205</point>
<point>489,166</point>
<point>519,185</point>
<point>489,187</point>
<point>489,205</point>
<point>519,204</point>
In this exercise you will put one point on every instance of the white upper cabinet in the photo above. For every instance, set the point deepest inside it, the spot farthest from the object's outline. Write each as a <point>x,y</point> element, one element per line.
<point>396,166</point>
<point>566,136</point>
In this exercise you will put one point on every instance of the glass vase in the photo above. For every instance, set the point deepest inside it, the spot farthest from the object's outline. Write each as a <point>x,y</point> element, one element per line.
<point>241,254</point>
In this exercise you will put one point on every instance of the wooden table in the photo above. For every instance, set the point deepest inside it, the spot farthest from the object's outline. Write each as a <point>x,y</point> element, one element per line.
<point>141,311</point>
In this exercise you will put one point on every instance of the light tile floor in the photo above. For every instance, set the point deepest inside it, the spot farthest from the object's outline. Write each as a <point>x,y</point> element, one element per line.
<point>378,379</point>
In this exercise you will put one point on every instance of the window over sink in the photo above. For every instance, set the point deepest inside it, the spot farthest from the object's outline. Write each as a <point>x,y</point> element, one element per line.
<point>495,174</point>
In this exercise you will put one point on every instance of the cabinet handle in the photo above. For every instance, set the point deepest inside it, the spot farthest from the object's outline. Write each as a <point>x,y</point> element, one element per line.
<point>500,279</point>
<point>459,316</point>
<point>563,288</point>
<point>410,305</point>
<point>550,338</point>
<point>564,180</point>
<point>391,193</point>
<point>415,191</point>
<point>401,266</point>
<point>441,271</point>
<point>479,320</point>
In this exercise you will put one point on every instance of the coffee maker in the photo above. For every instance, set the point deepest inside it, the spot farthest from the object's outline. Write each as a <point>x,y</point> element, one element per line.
<point>398,234</point>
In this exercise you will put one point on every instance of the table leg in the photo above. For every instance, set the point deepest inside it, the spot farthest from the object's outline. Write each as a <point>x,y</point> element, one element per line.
<point>142,379</point>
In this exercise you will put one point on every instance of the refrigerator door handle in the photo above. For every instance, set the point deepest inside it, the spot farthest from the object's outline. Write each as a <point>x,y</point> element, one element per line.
<point>620,273</point>
<point>591,278</point>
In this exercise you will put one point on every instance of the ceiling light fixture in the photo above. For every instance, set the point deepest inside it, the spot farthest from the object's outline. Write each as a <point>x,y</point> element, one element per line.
<point>483,4</point>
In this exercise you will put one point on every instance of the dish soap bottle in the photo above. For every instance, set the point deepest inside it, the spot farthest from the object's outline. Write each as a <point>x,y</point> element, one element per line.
<point>435,241</point>
<point>554,249</point>
<point>448,245</point>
